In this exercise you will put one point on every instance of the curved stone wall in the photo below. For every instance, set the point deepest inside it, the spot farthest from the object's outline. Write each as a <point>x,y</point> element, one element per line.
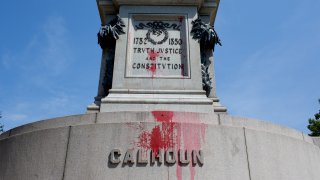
<point>118,146</point>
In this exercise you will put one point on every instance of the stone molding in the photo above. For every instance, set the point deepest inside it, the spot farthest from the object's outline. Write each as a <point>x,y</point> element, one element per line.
<point>111,7</point>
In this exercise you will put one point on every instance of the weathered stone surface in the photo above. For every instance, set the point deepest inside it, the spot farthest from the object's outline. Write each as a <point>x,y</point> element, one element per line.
<point>307,138</point>
<point>274,156</point>
<point>260,125</point>
<point>316,141</point>
<point>34,155</point>
<point>89,145</point>
<point>55,123</point>
<point>231,150</point>
<point>225,157</point>
<point>89,150</point>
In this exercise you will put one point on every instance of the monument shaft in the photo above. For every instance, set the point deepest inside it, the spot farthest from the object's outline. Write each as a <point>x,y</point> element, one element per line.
<point>157,62</point>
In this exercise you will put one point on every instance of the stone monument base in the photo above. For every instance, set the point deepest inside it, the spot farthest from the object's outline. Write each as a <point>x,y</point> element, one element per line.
<point>147,101</point>
<point>144,100</point>
<point>157,145</point>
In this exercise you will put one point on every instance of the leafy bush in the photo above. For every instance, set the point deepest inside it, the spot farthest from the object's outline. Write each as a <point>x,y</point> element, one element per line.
<point>314,124</point>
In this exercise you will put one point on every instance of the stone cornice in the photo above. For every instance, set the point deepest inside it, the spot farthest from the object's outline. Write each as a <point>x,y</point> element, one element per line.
<point>111,7</point>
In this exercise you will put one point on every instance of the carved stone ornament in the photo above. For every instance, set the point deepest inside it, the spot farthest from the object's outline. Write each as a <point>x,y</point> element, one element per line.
<point>157,28</point>
<point>208,38</point>
<point>109,33</point>
<point>107,37</point>
<point>206,79</point>
<point>205,34</point>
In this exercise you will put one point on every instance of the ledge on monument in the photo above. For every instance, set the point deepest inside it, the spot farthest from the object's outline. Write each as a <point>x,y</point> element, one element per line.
<point>137,100</point>
<point>212,119</point>
<point>198,3</point>
<point>72,120</point>
<point>260,125</point>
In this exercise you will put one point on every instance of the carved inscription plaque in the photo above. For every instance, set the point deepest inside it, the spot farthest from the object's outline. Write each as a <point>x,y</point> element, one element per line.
<point>158,47</point>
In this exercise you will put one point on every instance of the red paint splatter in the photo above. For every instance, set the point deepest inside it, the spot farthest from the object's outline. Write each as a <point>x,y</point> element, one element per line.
<point>167,130</point>
<point>144,139</point>
<point>161,136</point>
<point>153,55</point>
<point>176,130</point>
<point>163,116</point>
<point>181,18</point>
<point>156,140</point>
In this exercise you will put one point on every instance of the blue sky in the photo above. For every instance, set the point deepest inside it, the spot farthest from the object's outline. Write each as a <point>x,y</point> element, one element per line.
<point>267,68</point>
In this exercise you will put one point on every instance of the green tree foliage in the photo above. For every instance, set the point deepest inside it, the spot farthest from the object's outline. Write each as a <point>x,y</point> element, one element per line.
<point>314,124</point>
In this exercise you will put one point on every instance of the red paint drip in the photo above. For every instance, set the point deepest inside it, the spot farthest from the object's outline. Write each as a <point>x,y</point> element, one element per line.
<point>182,70</point>
<point>153,69</point>
<point>190,134</point>
<point>153,57</point>
<point>179,168</point>
<point>181,18</point>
